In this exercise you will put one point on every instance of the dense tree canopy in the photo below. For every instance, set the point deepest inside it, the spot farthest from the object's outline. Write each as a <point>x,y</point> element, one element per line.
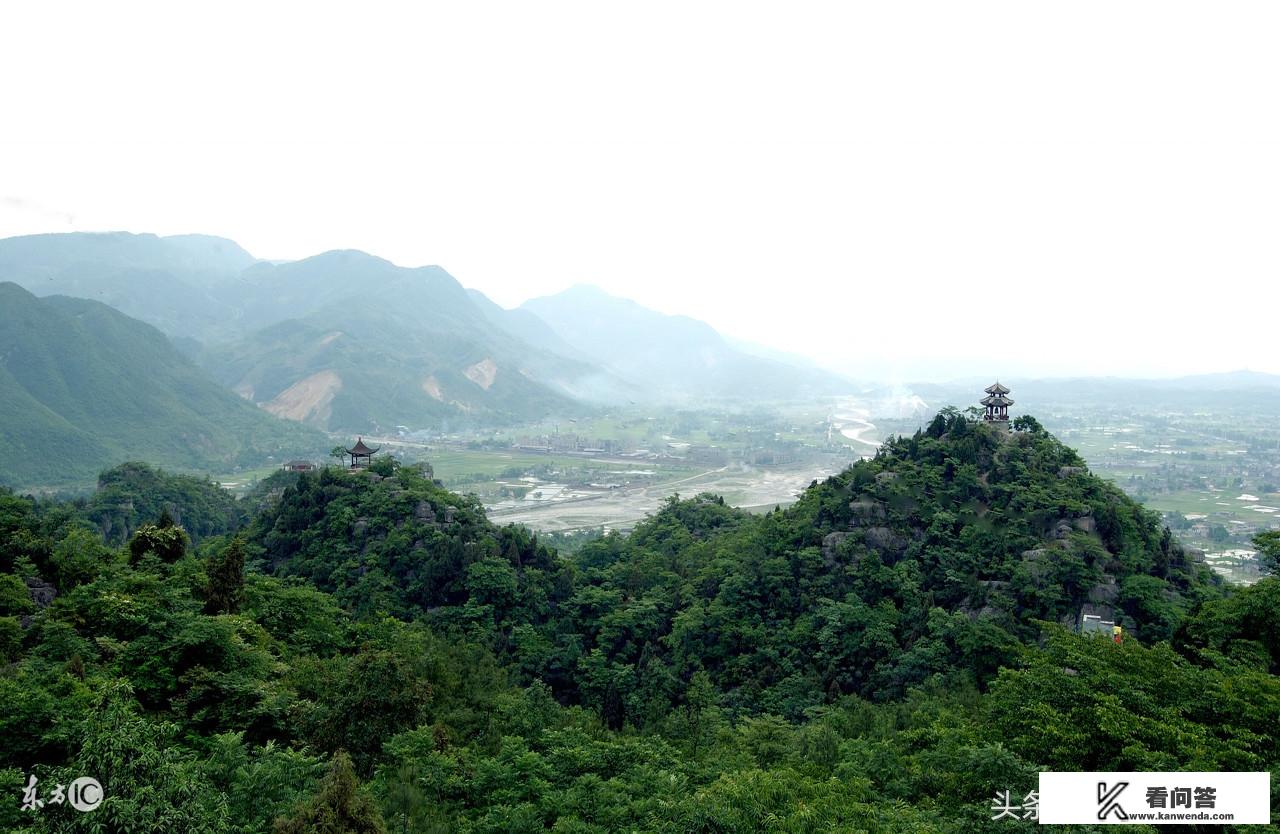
<point>373,654</point>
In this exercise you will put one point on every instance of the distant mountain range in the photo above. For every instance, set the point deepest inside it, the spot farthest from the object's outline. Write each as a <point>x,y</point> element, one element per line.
<point>83,387</point>
<point>672,358</point>
<point>349,342</point>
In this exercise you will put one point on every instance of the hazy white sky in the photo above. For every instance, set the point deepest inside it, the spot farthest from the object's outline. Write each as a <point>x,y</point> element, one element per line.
<point>896,188</point>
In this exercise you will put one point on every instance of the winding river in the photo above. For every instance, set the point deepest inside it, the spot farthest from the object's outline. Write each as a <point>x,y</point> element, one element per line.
<point>852,422</point>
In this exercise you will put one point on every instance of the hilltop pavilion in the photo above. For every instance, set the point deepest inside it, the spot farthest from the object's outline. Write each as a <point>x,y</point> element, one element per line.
<point>361,455</point>
<point>997,405</point>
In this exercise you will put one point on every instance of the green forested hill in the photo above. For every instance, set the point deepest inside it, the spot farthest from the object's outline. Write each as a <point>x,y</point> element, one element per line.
<point>133,494</point>
<point>84,386</point>
<point>347,341</point>
<point>937,558</point>
<point>883,656</point>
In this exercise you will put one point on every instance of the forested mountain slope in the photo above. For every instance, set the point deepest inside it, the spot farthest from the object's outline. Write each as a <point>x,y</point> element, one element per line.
<point>82,387</point>
<point>346,341</point>
<point>349,342</point>
<point>342,340</point>
<point>882,656</point>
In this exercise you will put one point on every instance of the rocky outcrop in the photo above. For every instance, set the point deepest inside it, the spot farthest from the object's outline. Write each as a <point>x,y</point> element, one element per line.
<point>867,512</point>
<point>884,540</point>
<point>1106,592</point>
<point>1064,527</point>
<point>42,594</point>
<point>830,544</point>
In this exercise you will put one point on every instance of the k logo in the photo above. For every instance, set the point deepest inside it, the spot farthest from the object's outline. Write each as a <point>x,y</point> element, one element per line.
<point>1108,802</point>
